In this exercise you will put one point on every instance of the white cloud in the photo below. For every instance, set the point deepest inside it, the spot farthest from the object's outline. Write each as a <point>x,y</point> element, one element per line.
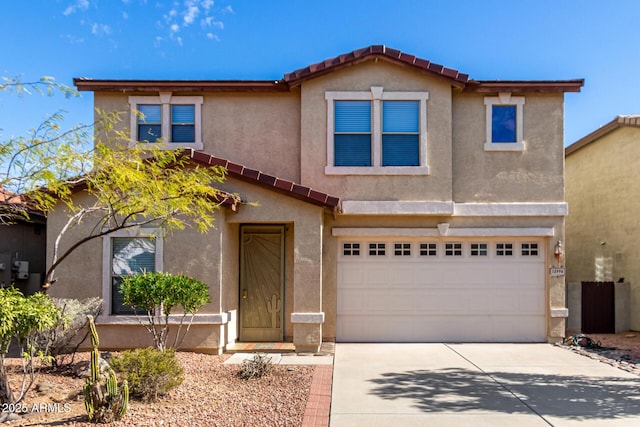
<point>190,14</point>
<point>77,5</point>
<point>207,4</point>
<point>175,28</point>
<point>100,29</point>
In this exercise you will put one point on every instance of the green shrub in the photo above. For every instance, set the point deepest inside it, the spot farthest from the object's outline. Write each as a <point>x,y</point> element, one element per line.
<point>149,372</point>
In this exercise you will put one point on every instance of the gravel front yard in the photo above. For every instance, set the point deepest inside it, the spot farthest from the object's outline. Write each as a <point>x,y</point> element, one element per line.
<point>211,395</point>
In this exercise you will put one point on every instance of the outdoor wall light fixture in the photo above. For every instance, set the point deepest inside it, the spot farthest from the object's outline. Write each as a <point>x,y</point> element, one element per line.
<point>559,249</point>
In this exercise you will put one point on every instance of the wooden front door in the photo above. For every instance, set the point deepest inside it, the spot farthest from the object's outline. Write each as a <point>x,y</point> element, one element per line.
<point>261,283</point>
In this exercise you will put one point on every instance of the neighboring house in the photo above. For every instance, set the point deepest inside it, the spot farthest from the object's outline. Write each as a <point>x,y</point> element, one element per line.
<point>603,227</point>
<point>397,200</point>
<point>22,246</point>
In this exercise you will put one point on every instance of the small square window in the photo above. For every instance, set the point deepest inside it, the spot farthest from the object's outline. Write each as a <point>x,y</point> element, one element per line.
<point>529,249</point>
<point>504,249</point>
<point>479,249</point>
<point>453,249</point>
<point>351,249</point>
<point>402,249</point>
<point>428,249</point>
<point>377,249</point>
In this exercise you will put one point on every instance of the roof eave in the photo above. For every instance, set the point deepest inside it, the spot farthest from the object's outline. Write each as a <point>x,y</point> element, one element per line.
<point>524,86</point>
<point>98,85</point>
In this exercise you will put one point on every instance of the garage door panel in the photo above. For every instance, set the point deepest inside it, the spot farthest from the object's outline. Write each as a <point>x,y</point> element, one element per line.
<point>444,301</point>
<point>466,298</point>
<point>421,328</point>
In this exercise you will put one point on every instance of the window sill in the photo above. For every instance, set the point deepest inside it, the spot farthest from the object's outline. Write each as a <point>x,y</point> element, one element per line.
<point>172,145</point>
<point>174,319</point>
<point>504,146</point>
<point>376,170</point>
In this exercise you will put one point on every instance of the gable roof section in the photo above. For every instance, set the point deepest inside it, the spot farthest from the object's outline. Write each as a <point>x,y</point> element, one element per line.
<point>618,122</point>
<point>295,78</point>
<point>271,182</point>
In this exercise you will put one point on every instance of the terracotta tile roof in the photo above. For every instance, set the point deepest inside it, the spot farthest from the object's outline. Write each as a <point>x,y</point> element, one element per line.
<point>297,77</point>
<point>376,51</point>
<point>618,122</point>
<point>271,182</point>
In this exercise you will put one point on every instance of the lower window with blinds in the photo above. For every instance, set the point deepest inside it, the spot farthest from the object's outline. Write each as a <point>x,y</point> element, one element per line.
<point>130,255</point>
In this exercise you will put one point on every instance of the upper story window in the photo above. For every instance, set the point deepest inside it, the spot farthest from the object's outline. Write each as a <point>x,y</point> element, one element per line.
<point>172,120</point>
<point>376,132</point>
<point>504,123</point>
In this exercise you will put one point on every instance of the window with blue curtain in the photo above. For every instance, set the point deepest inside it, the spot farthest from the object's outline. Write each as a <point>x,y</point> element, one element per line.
<point>400,133</point>
<point>183,123</point>
<point>149,123</point>
<point>130,255</point>
<point>352,133</point>
<point>503,123</point>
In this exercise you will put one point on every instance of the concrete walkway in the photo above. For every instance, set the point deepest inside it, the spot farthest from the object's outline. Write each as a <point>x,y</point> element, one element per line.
<point>478,385</point>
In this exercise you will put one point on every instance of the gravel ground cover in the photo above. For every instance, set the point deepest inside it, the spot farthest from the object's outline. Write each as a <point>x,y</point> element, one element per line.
<point>211,395</point>
<point>621,350</point>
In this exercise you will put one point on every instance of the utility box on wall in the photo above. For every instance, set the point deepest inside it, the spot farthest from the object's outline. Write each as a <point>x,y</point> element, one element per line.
<point>22,269</point>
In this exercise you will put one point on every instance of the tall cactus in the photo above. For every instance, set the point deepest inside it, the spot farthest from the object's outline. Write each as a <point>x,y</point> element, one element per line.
<point>104,403</point>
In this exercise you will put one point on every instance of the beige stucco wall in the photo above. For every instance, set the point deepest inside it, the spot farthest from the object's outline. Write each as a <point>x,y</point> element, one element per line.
<point>533,175</point>
<point>436,186</point>
<point>260,130</point>
<point>214,259</point>
<point>604,200</point>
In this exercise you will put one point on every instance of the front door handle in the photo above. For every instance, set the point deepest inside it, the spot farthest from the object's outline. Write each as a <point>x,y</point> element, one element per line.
<point>244,294</point>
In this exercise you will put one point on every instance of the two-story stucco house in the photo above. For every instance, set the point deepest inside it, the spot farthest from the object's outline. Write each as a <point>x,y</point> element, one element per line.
<point>397,201</point>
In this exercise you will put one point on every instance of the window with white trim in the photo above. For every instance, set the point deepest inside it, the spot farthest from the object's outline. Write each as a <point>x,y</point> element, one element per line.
<point>504,249</point>
<point>377,249</point>
<point>529,249</point>
<point>376,132</point>
<point>479,249</point>
<point>351,249</point>
<point>504,124</point>
<point>428,249</point>
<point>453,249</point>
<point>175,121</point>
<point>128,252</point>
<point>402,249</point>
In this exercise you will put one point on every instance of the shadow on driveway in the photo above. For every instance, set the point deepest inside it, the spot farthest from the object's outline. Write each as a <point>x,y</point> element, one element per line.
<point>460,390</point>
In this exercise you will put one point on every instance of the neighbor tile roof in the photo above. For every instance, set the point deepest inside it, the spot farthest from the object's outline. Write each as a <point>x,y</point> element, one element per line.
<point>379,51</point>
<point>618,122</point>
<point>271,182</point>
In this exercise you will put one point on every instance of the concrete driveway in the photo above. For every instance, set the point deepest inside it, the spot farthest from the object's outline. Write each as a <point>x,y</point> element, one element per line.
<point>478,385</point>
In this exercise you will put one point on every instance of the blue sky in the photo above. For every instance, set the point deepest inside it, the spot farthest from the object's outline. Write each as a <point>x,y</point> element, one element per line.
<point>260,39</point>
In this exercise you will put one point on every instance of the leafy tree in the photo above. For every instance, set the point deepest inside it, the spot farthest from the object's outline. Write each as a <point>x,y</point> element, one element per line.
<point>158,294</point>
<point>130,185</point>
<point>21,318</point>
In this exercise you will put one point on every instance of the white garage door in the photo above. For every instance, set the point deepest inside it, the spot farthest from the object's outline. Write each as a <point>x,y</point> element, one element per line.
<point>425,290</point>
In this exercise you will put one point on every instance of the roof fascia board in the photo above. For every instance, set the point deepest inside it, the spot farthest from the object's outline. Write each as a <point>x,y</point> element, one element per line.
<point>524,86</point>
